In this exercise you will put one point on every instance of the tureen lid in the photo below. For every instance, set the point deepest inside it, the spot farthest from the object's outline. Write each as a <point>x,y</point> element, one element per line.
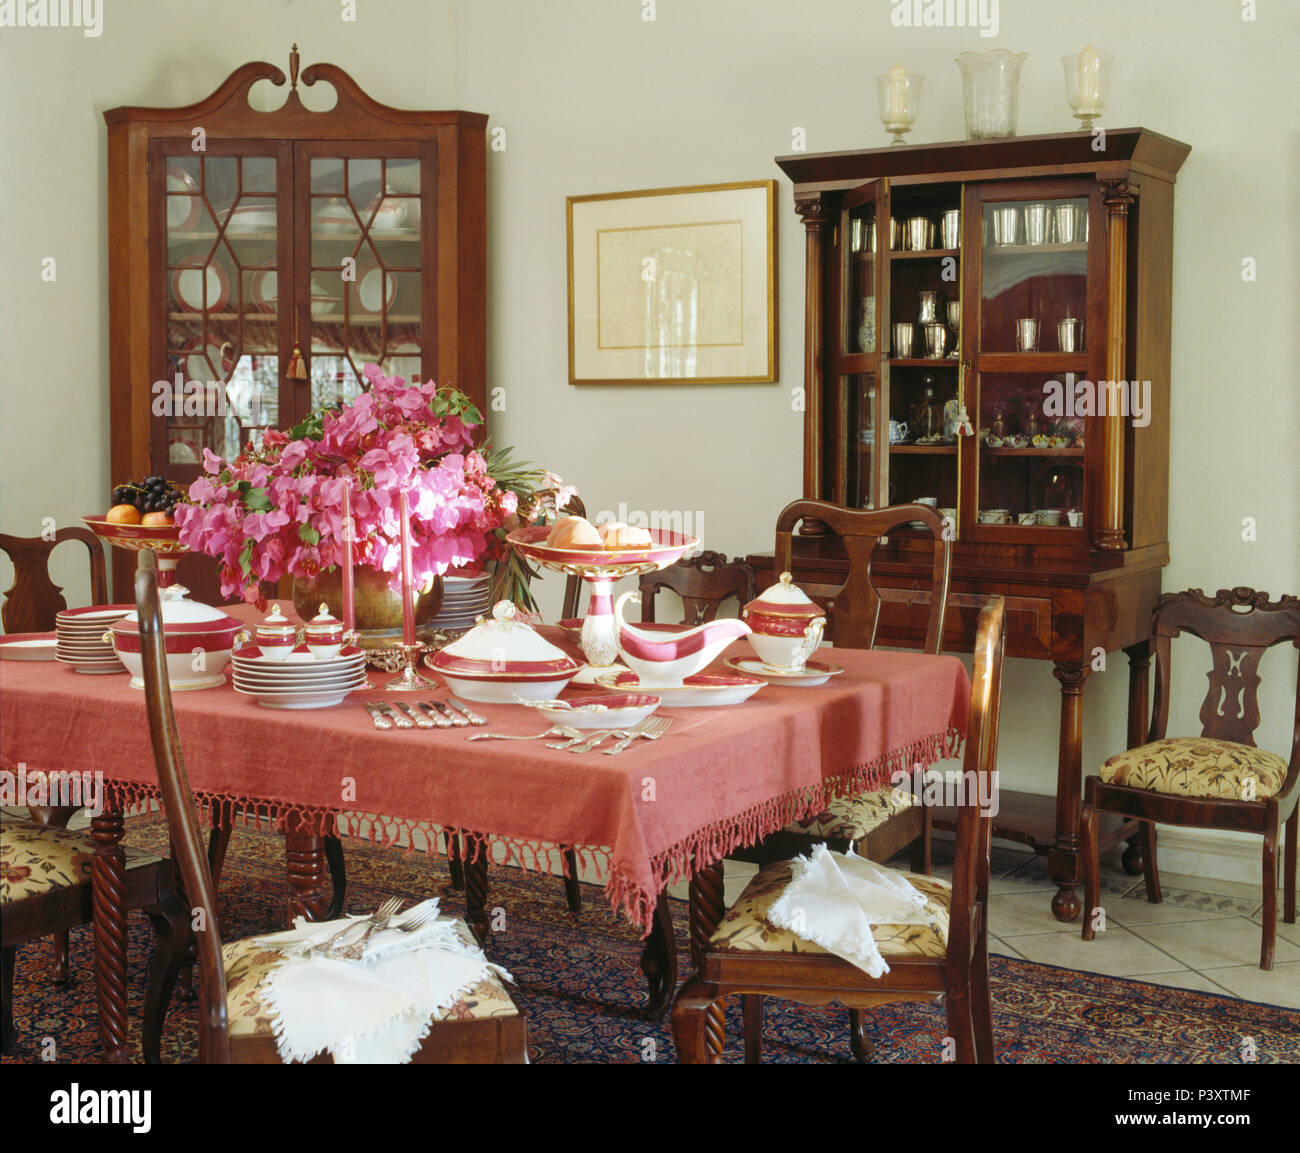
<point>504,639</point>
<point>178,610</point>
<point>275,623</point>
<point>786,599</point>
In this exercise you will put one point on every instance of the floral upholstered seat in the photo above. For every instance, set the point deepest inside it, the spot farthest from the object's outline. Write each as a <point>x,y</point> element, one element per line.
<point>36,859</point>
<point>1198,767</point>
<point>746,927</point>
<point>852,818</point>
<point>248,964</point>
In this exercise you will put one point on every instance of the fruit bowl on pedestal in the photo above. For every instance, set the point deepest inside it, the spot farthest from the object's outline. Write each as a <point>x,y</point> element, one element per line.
<point>164,539</point>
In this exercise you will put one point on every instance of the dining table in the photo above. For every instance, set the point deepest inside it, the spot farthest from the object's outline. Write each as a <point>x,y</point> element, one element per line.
<point>662,811</point>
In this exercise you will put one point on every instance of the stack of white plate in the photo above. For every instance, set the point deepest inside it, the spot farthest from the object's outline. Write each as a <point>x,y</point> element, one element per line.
<point>299,681</point>
<point>464,599</point>
<point>81,641</point>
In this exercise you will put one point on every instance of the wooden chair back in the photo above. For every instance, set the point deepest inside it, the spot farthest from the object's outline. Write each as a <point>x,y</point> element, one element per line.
<point>970,874</point>
<point>188,851</point>
<point>1239,625</point>
<point>855,606</point>
<point>704,583</point>
<point>31,604</point>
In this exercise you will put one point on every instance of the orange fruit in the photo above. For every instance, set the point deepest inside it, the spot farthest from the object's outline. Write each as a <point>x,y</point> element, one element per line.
<point>155,519</point>
<point>123,514</point>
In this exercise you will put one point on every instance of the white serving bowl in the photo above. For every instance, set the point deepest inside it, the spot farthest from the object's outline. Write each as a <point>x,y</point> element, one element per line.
<point>188,629</point>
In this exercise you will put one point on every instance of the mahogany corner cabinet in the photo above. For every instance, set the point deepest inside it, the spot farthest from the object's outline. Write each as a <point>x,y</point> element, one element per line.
<point>987,329</point>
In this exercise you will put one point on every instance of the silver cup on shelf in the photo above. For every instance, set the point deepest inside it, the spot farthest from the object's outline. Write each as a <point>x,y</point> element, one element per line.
<point>1069,334</point>
<point>1026,334</point>
<point>1006,226</point>
<point>927,307</point>
<point>1035,223</point>
<point>936,340</point>
<point>1067,222</point>
<point>903,337</point>
<point>920,234</point>
<point>954,314</point>
<point>895,235</point>
<point>950,229</point>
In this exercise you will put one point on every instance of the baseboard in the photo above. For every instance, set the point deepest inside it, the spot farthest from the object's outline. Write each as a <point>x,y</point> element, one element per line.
<point>1212,853</point>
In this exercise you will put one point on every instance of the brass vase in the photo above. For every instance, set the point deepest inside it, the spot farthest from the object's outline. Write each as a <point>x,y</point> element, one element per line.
<point>378,609</point>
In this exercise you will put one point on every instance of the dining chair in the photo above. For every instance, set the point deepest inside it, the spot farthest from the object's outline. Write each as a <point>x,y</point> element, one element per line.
<point>881,823</point>
<point>947,960</point>
<point>484,1025</point>
<point>46,887</point>
<point>31,606</point>
<point>1219,780</point>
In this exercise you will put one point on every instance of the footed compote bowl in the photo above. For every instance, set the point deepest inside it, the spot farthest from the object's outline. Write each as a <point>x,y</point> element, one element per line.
<point>600,568</point>
<point>164,539</point>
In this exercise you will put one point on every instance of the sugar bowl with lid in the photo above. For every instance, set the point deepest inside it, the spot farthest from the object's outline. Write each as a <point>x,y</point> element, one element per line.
<point>275,635</point>
<point>786,624</point>
<point>324,635</point>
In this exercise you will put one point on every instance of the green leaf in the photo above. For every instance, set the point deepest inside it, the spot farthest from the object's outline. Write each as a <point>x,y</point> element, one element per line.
<point>246,557</point>
<point>255,499</point>
<point>308,535</point>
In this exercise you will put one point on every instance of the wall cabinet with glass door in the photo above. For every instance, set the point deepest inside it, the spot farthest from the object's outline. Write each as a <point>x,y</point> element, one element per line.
<point>259,260</point>
<point>965,305</point>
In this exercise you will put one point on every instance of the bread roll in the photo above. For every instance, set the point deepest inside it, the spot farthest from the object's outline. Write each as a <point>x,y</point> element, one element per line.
<point>574,532</point>
<point>619,535</point>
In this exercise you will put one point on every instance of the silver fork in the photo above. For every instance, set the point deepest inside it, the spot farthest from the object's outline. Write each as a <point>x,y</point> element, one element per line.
<point>417,920</point>
<point>387,909</point>
<point>553,731</point>
<point>357,949</point>
<point>588,745</point>
<point>652,728</point>
<point>584,737</point>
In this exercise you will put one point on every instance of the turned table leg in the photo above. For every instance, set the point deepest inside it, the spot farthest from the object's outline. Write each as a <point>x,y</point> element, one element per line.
<point>475,868</point>
<point>1063,859</point>
<point>108,905</point>
<point>307,869</point>
<point>706,910</point>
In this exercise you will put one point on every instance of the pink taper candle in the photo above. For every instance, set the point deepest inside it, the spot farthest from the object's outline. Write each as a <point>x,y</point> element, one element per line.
<point>408,575</point>
<point>349,608</point>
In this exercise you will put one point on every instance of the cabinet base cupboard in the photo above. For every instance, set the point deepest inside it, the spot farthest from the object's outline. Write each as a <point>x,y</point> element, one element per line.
<point>259,260</point>
<point>988,330</point>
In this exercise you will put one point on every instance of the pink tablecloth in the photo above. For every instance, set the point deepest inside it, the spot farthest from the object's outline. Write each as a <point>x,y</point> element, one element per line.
<point>720,779</point>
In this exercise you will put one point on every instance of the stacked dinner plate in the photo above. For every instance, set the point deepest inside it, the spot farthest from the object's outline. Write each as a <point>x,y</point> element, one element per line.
<point>300,680</point>
<point>81,641</point>
<point>464,599</point>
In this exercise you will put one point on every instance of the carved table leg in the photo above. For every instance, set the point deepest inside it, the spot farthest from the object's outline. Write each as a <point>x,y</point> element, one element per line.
<point>1063,859</point>
<point>659,960</point>
<point>108,905</point>
<point>308,870</point>
<point>706,910</point>
<point>1139,710</point>
<point>476,887</point>
<point>56,817</point>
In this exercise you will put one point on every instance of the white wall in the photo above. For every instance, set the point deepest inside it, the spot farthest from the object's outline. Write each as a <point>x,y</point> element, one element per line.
<point>594,99</point>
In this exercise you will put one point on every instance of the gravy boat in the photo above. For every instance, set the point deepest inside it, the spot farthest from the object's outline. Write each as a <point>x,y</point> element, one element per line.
<point>665,659</point>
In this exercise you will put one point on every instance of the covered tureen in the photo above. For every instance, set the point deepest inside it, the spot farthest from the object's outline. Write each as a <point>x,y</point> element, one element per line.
<point>198,639</point>
<point>786,625</point>
<point>501,659</point>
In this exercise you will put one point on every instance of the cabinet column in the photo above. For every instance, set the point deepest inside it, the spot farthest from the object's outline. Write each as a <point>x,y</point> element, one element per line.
<point>1116,196</point>
<point>814,221</point>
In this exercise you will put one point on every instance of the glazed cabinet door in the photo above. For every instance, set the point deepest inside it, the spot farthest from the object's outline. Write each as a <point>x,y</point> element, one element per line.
<point>366,244</point>
<point>860,290</point>
<point>1034,339</point>
<point>221,292</point>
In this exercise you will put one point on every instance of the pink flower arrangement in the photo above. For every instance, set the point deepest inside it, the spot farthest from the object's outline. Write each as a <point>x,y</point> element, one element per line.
<point>277,508</point>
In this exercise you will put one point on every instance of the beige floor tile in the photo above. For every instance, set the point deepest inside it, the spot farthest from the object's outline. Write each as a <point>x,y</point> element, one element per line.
<point>1214,944</point>
<point>1209,885</point>
<point>1116,952</point>
<point>1125,911</point>
<point>997,945</point>
<point>1012,885</point>
<point>1185,979</point>
<point>1024,912</point>
<point>1285,932</point>
<point>1278,986</point>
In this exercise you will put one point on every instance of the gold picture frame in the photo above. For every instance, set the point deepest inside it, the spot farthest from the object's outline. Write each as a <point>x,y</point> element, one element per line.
<point>673,285</point>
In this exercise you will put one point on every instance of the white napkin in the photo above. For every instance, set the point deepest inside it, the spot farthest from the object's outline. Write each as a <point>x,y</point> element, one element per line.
<point>373,1011</point>
<point>833,899</point>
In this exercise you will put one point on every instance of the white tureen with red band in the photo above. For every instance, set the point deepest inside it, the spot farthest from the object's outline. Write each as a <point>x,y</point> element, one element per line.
<point>787,625</point>
<point>198,639</point>
<point>501,659</point>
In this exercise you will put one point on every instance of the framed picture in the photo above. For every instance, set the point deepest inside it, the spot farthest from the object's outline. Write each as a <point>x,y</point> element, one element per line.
<point>673,285</point>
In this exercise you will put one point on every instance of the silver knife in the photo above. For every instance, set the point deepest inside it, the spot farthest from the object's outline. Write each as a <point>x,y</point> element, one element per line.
<point>455,718</point>
<point>381,721</point>
<point>435,715</point>
<point>470,714</point>
<point>421,721</point>
<point>402,722</point>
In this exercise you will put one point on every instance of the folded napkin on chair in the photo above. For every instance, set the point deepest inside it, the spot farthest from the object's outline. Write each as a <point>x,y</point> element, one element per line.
<point>373,1011</point>
<point>833,899</point>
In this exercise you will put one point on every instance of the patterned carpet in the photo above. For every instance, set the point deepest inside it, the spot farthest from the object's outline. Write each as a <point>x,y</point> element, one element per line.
<point>584,993</point>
